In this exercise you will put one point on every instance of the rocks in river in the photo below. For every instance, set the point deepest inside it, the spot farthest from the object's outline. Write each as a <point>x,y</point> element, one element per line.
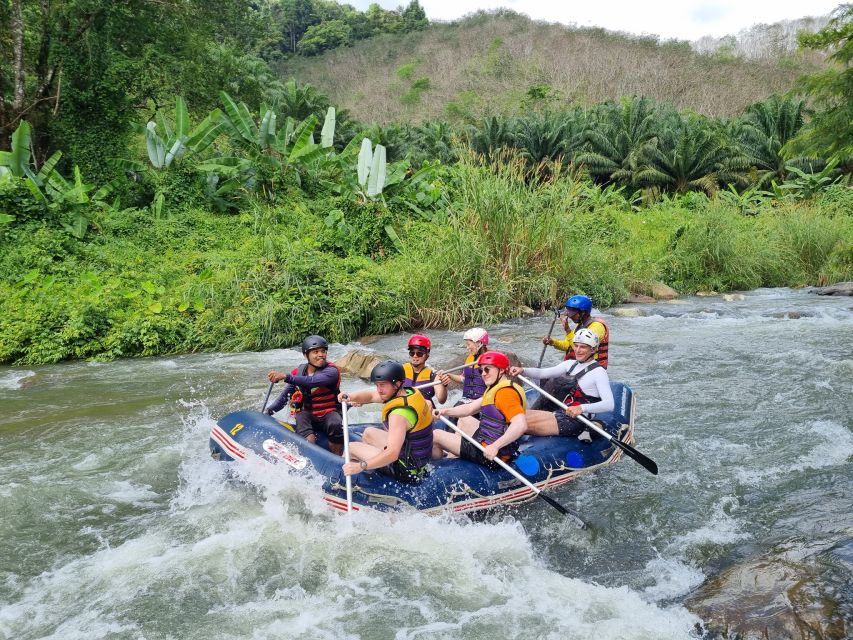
<point>791,592</point>
<point>627,312</point>
<point>837,289</point>
<point>706,294</point>
<point>789,315</point>
<point>359,363</point>
<point>733,297</point>
<point>637,298</point>
<point>661,291</point>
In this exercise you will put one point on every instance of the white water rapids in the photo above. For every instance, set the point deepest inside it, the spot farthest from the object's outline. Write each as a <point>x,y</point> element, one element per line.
<point>116,523</point>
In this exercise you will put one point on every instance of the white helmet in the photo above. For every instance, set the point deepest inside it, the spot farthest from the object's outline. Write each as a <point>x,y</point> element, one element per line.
<point>586,336</point>
<point>477,335</point>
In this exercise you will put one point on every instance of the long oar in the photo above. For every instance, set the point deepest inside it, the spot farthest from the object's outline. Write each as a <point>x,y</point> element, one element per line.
<point>427,385</point>
<point>344,408</point>
<point>568,512</point>
<point>550,331</point>
<point>644,460</point>
<point>269,391</point>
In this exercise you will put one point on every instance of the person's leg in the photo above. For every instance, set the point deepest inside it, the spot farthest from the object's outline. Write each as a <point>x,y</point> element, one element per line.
<point>332,425</point>
<point>305,426</point>
<point>362,451</point>
<point>468,424</point>
<point>375,437</point>
<point>541,423</point>
<point>444,441</point>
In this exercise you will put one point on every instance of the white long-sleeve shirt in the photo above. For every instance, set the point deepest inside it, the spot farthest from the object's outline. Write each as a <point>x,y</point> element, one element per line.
<point>596,383</point>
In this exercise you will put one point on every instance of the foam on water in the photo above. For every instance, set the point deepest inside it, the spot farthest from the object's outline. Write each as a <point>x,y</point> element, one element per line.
<point>12,379</point>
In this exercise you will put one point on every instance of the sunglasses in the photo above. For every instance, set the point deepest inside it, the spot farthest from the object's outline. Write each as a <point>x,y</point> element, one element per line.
<point>417,352</point>
<point>487,369</point>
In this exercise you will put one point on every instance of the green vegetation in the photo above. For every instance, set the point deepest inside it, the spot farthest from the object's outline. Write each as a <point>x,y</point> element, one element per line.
<point>503,63</point>
<point>254,211</point>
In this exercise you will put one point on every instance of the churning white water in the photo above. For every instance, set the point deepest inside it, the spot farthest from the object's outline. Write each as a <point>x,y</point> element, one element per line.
<point>116,523</point>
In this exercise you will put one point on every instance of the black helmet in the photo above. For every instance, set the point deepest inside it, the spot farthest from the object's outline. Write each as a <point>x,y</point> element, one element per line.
<point>388,371</point>
<point>314,342</point>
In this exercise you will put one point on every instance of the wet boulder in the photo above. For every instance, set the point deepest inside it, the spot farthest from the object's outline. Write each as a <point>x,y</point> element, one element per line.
<point>795,591</point>
<point>359,363</point>
<point>837,289</point>
<point>626,312</point>
<point>661,291</point>
<point>638,298</point>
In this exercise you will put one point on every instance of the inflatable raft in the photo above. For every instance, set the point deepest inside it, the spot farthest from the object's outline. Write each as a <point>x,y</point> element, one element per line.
<point>452,484</point>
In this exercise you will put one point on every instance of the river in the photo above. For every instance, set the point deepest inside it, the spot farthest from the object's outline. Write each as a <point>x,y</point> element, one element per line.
<point>116,522</point>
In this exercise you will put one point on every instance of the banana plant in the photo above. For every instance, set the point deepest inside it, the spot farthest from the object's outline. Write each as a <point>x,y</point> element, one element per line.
<point>177,138</point>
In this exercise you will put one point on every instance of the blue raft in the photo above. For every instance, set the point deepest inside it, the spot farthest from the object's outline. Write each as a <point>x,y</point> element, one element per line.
<point>452,484</point>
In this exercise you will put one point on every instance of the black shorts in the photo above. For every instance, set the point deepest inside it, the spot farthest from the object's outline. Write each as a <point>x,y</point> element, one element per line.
<point>401,472</point>
<point>331,424</point>
<point>571,427</point>
<point>468,451</point>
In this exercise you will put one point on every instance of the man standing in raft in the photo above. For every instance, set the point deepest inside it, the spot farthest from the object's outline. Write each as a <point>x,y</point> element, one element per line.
<point>502,419</point>
<point>318,381</point>
<point>579,311</point>
<point>403,447</point>
<point>418,373</point>
<point>587,391</point>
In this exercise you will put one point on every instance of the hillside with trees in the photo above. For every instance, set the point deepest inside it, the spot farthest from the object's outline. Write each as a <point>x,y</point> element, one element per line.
<point>163,189</point>
<point>497,63</point>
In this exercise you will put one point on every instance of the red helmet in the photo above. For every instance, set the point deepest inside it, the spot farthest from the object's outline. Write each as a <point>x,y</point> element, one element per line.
<point>494,358</point>
<point>420,341</point>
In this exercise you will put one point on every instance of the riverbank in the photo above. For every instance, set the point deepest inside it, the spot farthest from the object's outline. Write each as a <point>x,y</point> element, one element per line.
<point>195,280</point>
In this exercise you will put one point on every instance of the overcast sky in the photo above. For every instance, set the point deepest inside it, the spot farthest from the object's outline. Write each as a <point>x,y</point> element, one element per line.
<point>684,20</point>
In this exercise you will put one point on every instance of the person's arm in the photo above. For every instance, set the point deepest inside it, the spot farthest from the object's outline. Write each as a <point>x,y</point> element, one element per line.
<point>566,343</point>
<point>517,427</point>
<point>278,404</point>
<point>462,410</point>
<point>440,391</point>
<point>601,382</point>
<point>325,377</point>
<point>398,424</point>
<point>360,397</point>
<point>603,391</point>
<point>549,372</point>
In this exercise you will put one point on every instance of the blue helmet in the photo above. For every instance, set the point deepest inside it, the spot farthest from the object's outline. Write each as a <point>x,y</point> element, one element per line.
<point>581,303</point>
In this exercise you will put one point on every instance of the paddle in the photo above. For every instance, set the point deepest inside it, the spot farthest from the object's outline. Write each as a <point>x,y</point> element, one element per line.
<point>550,331</point>
<point>344,408</point>
<point>269,391</point>
<point>645,461</point>
<point>427,385</point>
<point>568,512</point>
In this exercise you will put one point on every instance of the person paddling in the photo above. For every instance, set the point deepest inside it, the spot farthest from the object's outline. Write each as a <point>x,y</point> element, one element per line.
<point>402,448</point>
<point>417,372</point>
<point>318,382</point>
<point>502,419</point>
<point>587,391</point>
<point>473,387</point>
<point>579,311</point>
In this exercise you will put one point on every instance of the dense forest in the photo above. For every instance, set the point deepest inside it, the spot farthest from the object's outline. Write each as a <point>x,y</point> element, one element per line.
<point>171,180</point>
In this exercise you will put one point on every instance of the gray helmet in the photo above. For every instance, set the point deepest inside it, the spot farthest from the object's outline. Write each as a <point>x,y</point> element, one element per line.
<point>314,342</point>
<point>388,371</point>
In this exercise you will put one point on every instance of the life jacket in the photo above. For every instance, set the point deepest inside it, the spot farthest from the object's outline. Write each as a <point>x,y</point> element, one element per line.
<point>320,400</point>
<point>575,396</point>
<point>417,447</point>
<point>412,379</point>
<point>493,424</point>
<point>603,346</point>
<point>473,386</point>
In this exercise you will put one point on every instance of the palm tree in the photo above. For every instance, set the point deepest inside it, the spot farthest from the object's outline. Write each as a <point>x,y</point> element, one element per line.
<point>766,127</point>
<point>493,134</point>
<point>691,154</point>
<point>616,138</point>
